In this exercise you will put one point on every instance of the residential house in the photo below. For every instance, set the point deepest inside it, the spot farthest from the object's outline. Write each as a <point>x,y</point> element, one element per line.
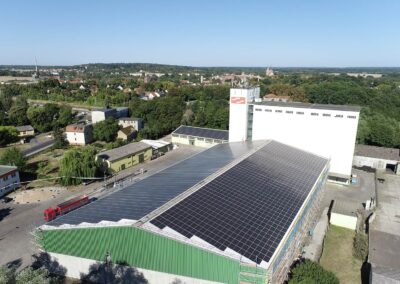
<point>127,133</point>
<point>135,122</point>
<point>9,179</point>
<point>79,134</point>
<point>118,159</point>
<point>25,131</point>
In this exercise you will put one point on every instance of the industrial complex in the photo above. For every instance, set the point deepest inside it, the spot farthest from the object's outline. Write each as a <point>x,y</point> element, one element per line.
<point>237,212</point>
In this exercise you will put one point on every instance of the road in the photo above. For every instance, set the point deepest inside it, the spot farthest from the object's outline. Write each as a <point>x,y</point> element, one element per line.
<point>38,147</point>
<point>17,221</point>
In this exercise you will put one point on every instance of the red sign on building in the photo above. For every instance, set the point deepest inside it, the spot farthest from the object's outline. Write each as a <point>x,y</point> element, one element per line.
<point>238,100</point>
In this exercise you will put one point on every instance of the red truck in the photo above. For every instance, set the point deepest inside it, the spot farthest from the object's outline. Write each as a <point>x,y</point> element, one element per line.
<point>63,208</point>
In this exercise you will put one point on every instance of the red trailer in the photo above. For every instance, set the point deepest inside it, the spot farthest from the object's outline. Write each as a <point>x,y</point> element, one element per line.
<point>63,208</point>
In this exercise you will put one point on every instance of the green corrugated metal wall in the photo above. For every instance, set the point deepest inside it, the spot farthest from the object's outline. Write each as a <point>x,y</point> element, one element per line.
<point>142,249</point>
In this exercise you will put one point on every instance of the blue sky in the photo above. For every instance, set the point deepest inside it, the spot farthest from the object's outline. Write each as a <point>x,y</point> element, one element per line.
<point>315,33</point>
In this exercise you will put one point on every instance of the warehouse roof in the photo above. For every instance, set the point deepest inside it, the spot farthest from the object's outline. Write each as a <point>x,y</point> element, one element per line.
<point>310,106</point>
<point>137,200</point>
<point>237,198</point>
<point>123,151</point>
<point>377,152</point>
<point>202,132</point>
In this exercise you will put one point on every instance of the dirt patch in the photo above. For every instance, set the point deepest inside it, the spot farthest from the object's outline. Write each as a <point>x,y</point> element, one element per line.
<point>35,195</point>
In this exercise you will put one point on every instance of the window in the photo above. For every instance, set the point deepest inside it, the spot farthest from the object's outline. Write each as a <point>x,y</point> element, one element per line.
<point>289,111</point>
<point>351,116</point>
<point>326,114</point>
<point>183,136</point>
<point>268,110</point>
<point>5,178</point>
<point>217,141</point>
<point>258,109</point>
<point>209,140</point>
<point>200,139</point>
<point>314,114</point>
<point>13,175</point>
<point>278,110</point>
<point>299,112</point>
<point>338,115</point>
<point>175,135</point>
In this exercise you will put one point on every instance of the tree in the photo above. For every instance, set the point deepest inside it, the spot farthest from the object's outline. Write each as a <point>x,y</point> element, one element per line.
<point>106,130</point>
<point>17,113</point>
<point>31,276</point>
<point>310,272</point>
<point>8,134</point>
<point>77,164</point>
<point>7,275</point>
<point>60,141</point>
<point>360,246</point>
<point>13,157</point>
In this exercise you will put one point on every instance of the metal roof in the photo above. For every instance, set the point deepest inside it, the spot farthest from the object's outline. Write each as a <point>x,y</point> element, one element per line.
<point>202,132</point>
<point>139,199</point>
<point>123,151</point>
<point>24,128</point>
<point>6,169</point>
<point>310,106</point>
<point>377,152</point>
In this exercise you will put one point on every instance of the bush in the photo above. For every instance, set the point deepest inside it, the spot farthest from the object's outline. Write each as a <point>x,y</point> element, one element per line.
<point>360,246</point>
<point>13,157</point>
<point>311,272</point>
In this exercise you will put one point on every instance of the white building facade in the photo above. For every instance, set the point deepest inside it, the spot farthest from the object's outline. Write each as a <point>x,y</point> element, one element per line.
<point>79,134</point>
<point>326,130</point>
<point>9,179</point>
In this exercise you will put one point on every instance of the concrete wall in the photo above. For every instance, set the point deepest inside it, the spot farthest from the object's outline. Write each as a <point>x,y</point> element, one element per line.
<point>137,124</point>
<point>130,160</point>
<point>9,183</point>
<point>379,164</point>
<point>198,141</point>
<point>76,266</point>
<point>345,221</point>
<point>328,136</point>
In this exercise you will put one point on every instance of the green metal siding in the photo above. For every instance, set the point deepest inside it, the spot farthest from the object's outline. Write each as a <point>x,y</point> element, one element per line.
<point>142,249</point>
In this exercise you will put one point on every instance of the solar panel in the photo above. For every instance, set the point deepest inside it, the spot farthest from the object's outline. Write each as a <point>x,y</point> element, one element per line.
<point>203,132</point>
<point>139,199</point>
<point>250,207</point>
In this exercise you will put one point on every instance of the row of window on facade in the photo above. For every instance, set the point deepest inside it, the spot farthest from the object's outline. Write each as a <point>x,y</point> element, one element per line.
<point>301,112</point>
<point>12,176</point>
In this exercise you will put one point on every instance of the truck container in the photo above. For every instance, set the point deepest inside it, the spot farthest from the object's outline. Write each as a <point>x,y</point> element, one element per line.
<point>65,207</point>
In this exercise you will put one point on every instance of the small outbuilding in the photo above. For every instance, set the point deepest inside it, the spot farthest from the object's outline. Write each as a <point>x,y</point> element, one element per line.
<point>379,158</point>
<point>25,130</point>
<point>198,136</point>
<point>126,156</point>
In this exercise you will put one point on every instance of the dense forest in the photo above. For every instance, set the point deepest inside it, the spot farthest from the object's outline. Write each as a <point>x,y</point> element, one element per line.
<point>207,106</point>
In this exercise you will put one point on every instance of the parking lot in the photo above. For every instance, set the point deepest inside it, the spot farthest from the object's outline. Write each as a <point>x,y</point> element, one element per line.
<point>17,221</point>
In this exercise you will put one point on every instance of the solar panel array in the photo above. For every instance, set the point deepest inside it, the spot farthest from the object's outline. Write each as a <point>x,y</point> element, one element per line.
<point>250,207</point>
<point>203,132</point>
<point>141,198</point>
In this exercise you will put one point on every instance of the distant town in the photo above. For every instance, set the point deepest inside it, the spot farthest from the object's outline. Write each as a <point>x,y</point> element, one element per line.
<point>147,173</point>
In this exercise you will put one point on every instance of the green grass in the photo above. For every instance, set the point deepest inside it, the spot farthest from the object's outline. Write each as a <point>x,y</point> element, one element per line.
<point>338,255</point>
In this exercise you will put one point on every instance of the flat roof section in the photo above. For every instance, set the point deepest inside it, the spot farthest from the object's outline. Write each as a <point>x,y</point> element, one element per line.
<point>202,132</point>
<point>250,207</point>
<point>310,106</point>
<point>377,152</point>
<point>139,199</point>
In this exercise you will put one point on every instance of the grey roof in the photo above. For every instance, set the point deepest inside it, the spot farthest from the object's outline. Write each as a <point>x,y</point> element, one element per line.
<point>130,118</point>
<point>137,200</point>
<point>249,207</point>
<point>377,152</point>
<point>120,152</point>
<point>6,169</point>
<point>24,128</point>
<point>202,132</point>
<point>310,106</point>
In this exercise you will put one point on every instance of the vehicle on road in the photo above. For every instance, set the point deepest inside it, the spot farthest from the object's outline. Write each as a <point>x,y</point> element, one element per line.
<point>65,207</point>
